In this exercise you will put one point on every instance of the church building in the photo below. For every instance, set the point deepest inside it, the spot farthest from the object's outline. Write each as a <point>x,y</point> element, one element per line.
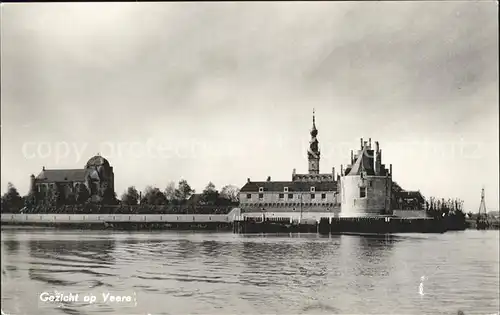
<point>96,177</point>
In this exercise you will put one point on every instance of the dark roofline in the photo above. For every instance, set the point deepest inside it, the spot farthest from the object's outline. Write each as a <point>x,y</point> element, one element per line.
<point>293,186</point>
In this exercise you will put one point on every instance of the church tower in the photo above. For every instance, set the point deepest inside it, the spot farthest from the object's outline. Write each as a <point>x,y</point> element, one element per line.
<point>313,152</point>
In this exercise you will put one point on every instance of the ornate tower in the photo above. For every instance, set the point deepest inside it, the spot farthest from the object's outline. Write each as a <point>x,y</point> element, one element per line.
<point>313,153</point>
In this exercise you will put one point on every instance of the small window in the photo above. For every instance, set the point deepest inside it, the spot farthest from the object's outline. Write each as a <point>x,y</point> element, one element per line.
<point>286,189</point>
<point>290,196</point>
<point>323,196</point>
<point>282,196</point>
<point>313,196</point>
<point>362,192</point>
<point>371,184</point>
<point>261,189</point>
<point>313,189</point>
<point>261,196</point>
<point>249,196</point>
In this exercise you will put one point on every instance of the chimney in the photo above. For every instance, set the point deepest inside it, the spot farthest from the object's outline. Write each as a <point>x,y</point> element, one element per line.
<point>370,143</point>
<point>376,146</point>
<point>43,168</point>
<point>294,172</point>
<point>352,157</point>
<point>390,169</point>
<point>361,140</point>
<point>341,169</point>
<point>248,180</point>
<point>268,178</point>
<point>333,172</point>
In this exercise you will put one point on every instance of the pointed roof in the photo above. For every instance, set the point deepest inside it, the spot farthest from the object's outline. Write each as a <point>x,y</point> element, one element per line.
<point>359,166</point>
<point>314,131</point>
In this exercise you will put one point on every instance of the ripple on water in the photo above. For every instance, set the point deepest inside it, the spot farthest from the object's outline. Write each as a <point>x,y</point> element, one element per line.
<point>227,274</point>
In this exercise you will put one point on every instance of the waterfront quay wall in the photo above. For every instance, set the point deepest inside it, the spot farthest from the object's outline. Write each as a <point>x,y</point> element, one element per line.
<point>339,225</point>
<point>126,221</point>
<point>317,215</point>
<point>111,218</point>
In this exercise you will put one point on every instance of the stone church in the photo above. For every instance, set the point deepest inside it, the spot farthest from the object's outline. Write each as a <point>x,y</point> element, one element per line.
<point>97,177</point>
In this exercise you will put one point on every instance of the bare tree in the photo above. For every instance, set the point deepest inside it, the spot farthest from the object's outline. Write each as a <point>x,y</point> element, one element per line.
<point>230,192</point>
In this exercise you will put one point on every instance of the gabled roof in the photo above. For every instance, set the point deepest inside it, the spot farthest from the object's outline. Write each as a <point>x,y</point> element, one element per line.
<point>292,186</point>
<point>60,176</point>
<point>360,167</point>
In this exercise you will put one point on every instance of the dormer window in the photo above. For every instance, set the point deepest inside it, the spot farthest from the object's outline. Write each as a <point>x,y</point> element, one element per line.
<point>313,189</point>
<point>286,189</point>
<point>261,189</point>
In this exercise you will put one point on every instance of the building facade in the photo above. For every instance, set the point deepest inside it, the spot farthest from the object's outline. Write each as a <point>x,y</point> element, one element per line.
<point>304,193</point>
<point>97,177</point>
<point>366,184</point>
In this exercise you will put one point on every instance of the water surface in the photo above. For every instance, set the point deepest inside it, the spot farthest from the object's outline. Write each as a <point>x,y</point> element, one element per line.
<point>223,273</point>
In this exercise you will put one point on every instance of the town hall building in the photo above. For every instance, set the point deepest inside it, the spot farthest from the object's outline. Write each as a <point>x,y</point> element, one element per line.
<point>305,192</point>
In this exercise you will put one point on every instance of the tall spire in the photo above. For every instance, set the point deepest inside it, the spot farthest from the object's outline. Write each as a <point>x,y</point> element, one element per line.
<point>314,131</point>
<point>313,153</point>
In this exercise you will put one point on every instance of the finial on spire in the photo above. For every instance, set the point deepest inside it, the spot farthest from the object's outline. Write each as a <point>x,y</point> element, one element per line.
<point>314,120</point>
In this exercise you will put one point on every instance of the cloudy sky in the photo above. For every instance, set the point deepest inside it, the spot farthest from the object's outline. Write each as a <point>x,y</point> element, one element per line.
<point>225,91</point>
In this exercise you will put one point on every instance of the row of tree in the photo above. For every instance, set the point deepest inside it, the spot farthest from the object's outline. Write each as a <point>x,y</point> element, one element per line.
<point>445,205</point>
<point>180,194</point>
<point>173,194</point>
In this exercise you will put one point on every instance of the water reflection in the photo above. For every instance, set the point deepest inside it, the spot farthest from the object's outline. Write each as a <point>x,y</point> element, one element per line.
<point>187,249</point>
<point>11,245</point>
<point>89,249</point>
<point>188,273</point>
<point>213,249</point>
<point>70,262</point>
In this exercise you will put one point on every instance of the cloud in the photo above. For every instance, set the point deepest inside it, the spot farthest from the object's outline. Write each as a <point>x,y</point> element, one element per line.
<point>248,75</point>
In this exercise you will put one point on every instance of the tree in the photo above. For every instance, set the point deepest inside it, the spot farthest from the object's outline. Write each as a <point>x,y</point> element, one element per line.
<point>154,196</point>
<point>130,197</point>
<point>230,192</point>
<point>11,200</point>
<point>56,196</point>
<point>184,191</point>
<point>108,196</point>
<point>210,195</point>
<point>170,192</point>
<point>82,194</point>
<point>29,200</point>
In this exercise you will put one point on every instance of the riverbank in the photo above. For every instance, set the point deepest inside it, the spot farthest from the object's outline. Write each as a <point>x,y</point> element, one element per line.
<point>237,222</point>
<point>494,224</point>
